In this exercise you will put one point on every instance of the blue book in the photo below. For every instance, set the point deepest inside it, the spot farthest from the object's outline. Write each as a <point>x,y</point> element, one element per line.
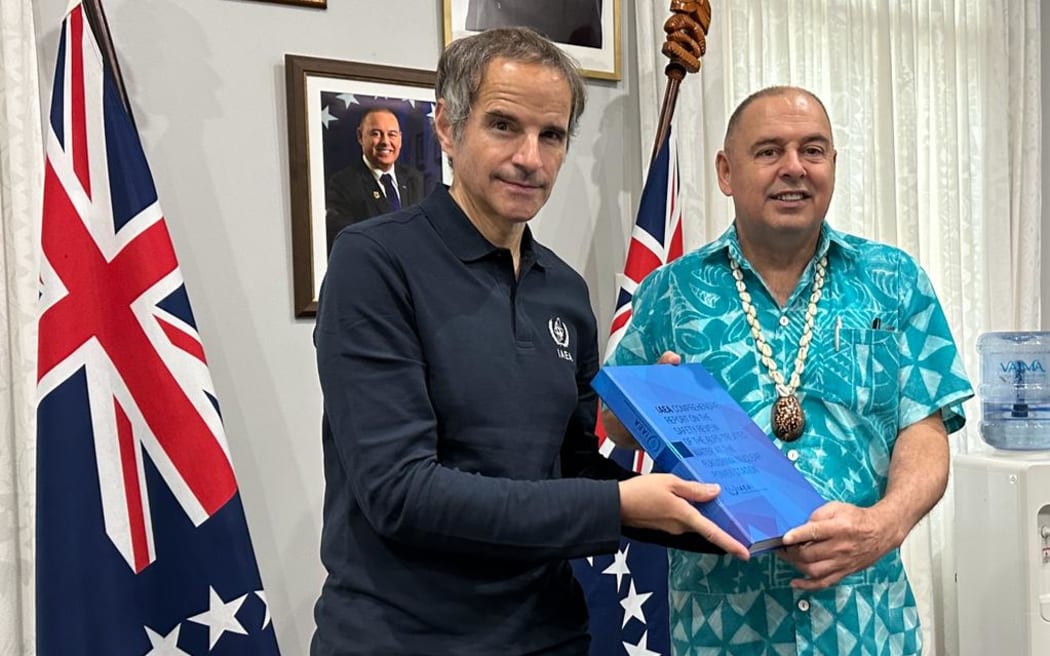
<point>690,426</point>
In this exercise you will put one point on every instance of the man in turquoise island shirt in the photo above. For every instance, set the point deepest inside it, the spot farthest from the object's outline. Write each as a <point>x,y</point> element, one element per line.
<point>838,348</point>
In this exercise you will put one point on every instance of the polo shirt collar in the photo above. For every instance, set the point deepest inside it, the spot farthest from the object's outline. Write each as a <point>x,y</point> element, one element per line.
<point>463,238</point>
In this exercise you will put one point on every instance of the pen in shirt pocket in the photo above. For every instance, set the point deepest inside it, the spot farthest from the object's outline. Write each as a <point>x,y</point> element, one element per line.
<point>876,324</point>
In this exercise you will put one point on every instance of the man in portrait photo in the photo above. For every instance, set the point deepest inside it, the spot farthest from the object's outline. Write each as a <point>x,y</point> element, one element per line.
<point>377,183</point>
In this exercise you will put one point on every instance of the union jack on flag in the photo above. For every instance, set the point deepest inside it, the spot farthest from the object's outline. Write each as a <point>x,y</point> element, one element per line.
<point>627,592</point>
<point>657,235</point>
<point>142,545</point>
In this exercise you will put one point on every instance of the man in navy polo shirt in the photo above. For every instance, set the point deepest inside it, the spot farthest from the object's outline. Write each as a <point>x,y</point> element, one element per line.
<point>455,355</point>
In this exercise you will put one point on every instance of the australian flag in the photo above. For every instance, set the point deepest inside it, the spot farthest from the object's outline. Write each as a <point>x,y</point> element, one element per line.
<point>627,592</point>
<point>142,546</point>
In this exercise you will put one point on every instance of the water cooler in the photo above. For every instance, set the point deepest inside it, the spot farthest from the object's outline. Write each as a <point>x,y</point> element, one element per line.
<point>1002,504</point>
<point>1002,553</point>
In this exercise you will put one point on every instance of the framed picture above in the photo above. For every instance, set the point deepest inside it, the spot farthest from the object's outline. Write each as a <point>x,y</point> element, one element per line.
<point>587,30</point>
<point>319,4</point>
<point>345,119</point>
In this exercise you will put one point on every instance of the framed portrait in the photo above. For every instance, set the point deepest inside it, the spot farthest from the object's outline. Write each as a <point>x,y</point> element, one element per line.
<point>334,108</point>
<point>587,30</point>
<point>319,4</point>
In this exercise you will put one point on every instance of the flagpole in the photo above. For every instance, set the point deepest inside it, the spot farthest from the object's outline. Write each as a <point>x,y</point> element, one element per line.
<point>161,544</point>
<point>684,46</point>
<point>96,18</point>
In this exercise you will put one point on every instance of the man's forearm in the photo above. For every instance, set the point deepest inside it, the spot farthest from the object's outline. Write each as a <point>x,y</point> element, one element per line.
<point>918,475</point>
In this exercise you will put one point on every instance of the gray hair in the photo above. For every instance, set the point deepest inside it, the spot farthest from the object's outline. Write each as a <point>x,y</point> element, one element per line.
<point>463,63</point>
<point>766,93</point>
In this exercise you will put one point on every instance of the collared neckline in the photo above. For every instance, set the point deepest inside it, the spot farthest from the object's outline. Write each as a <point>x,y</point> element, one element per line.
<point>463,238</point>
<point>728,241</point>
<point>378,173</point>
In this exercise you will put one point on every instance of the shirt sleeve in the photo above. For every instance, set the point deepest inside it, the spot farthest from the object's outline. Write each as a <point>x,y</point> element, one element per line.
<point>645,338</point>
<point>579,453</point>
<point>932,376</point>
<point>372,370</point>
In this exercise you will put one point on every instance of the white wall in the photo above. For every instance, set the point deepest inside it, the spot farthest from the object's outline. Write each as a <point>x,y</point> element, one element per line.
<point>206,80</point>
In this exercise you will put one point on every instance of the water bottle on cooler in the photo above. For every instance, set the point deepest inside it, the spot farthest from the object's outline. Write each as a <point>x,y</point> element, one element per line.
<point>1015,389</point>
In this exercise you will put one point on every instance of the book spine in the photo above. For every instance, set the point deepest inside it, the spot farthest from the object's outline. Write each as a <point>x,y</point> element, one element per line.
<point>641,430</point>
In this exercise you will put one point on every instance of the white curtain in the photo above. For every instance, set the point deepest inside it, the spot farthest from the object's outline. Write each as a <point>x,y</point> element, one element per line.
<point>935,106</point>
<point>21,176</point>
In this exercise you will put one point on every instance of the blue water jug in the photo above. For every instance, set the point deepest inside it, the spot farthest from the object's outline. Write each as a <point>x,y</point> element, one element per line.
<point>1015,389</point>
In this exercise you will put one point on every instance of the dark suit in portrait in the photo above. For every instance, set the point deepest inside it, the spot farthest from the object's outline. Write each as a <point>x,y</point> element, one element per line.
<point>575,22</point>
<point>353,194</point>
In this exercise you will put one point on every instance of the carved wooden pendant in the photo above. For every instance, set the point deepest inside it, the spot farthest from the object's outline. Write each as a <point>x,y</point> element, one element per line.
<point>788,418</point>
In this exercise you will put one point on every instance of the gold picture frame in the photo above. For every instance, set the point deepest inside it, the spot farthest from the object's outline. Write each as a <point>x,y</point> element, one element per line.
<point>587,30</point>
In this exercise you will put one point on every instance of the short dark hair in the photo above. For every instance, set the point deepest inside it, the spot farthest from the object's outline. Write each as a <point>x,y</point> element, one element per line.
<point>462,67</point>
<point>780,90</point>
<point>375,109</point>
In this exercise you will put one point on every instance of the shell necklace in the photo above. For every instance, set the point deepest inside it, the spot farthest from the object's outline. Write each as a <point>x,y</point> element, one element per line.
<point>788,417</point>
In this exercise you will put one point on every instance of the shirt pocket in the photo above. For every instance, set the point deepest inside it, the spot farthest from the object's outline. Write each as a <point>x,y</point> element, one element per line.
<point>859,369</point>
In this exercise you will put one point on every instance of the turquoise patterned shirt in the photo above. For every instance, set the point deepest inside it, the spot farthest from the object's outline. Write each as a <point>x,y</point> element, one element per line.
<point>882,358</point>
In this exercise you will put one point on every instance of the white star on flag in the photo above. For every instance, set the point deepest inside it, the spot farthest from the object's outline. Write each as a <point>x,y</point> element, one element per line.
<point>348,99</point>
<point>326,117</point>
<point>262,595</point>
<point>164,645</point>
<point>632,605</point>
<point>619,566</point>
<point>220,617</point>
<point>641,649</point>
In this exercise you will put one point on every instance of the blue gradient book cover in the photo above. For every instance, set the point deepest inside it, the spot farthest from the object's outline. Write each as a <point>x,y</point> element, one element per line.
<point>692,428</point>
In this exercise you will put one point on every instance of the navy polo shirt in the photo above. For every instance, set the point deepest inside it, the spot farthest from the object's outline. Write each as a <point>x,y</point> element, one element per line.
<point>460,467</point>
